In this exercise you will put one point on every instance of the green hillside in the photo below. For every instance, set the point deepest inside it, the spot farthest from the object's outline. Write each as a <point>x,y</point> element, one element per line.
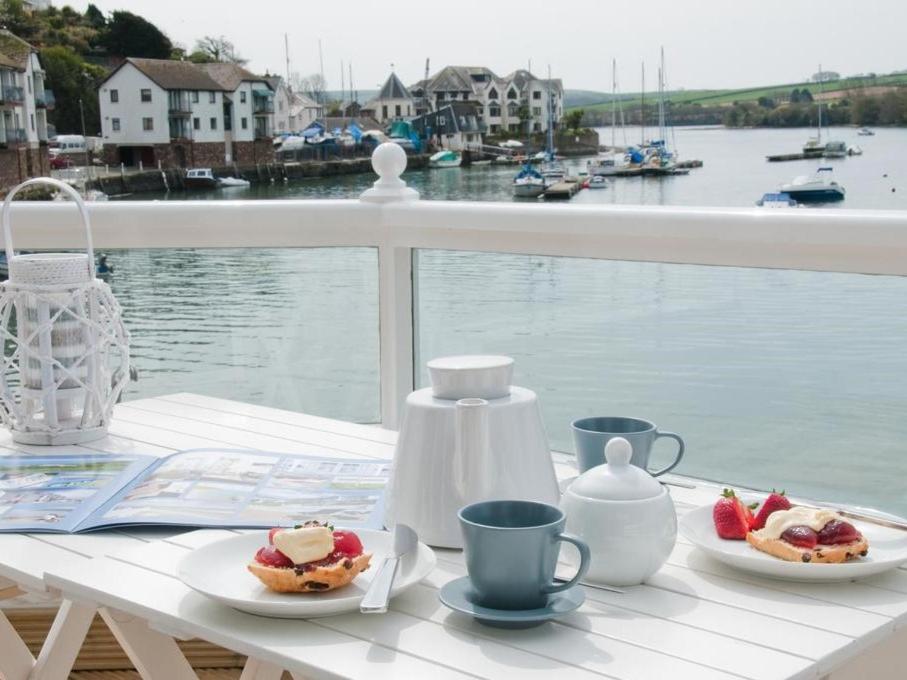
<point>729,96</point>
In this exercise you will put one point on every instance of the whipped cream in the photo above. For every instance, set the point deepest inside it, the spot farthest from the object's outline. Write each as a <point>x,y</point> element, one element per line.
<point>782,520</point>
<point>307,544</point>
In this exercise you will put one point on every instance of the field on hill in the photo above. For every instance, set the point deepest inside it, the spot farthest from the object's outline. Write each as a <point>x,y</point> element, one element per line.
<point>729,96</point>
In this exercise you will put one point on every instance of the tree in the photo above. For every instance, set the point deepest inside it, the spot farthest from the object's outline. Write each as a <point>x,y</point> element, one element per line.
<point>573,120</point>
<point>217,48</point>
<point>72,79</point>
<point>129,35</point>
<point>95,17</point>
<point>14,17</point>
<point>805,96</point>
<point>313,85</point>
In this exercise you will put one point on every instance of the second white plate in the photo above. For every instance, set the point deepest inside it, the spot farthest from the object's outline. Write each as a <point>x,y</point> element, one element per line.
<point>218,570</point>
<point>887,550</point>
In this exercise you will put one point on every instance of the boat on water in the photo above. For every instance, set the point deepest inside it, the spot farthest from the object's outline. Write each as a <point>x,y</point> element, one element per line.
<point>606,166</point>
<point>776,200</point>
<point>597,182</point>
<point>231,182</point>
<point>445,159</point>
<point>528,183</point>
<point>854,150</point>
<point>818,188</point>
<point>865,132</point>
<point>835,150</point>
<point>200,178</point>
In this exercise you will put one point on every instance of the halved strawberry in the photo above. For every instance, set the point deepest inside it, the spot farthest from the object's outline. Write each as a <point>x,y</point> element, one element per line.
<point>775,501</point>
<point>730,516</point>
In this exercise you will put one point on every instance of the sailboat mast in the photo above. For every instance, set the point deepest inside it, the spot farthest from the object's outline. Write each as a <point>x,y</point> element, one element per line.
<point>550,118</point>
<point>819,76</point>
<point>662,132</point>
<point>642,107</point>
<point>613,100</point>
<point>286,51</point>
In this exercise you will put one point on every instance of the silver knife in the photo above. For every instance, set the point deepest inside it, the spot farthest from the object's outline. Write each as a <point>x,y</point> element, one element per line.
<point>379,591</point>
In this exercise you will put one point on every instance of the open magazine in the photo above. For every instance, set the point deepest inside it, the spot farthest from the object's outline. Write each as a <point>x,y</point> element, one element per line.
<point>197,488</point>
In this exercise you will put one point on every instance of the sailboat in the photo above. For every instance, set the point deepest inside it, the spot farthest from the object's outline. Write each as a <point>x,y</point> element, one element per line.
<point>529,183</point>
<point>552,170</point>
<point>611,163</point>
<point>658,158</point>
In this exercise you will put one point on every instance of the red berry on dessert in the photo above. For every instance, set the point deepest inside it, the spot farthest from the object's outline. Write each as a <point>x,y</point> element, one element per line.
<point>837,532</point>
<point>730,516</point>
<point>774,502</point>
<point>801,536</point>
<point>271,534</point>
<point>347,543</point>
<point>272,557</point>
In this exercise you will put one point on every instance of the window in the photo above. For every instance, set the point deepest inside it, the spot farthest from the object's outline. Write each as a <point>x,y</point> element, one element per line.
<point>28,80</point>
<point>536,110</point>
<point>465,96</point>
<point>32,122</point>
<point>537,94</point>
<point>196,123</point>
<point>397,110</point>
<point>384,112</point>
<point>493,93</point>
<point>242,97</point>
<point>146,95</point>
<point>115,124</point>
<point>494,111</point>
<point>244,123</point>
<point>511,93</point>
<point>114,96</point>
<point>195,96</point>
<point>442,121</point>
<point>212,97</point>
<point>147,124</point>
<point>213,123</point>
<point>408,110</point>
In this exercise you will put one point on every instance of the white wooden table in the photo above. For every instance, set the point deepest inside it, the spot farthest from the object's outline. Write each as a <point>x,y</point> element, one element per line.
<point>693,620</point>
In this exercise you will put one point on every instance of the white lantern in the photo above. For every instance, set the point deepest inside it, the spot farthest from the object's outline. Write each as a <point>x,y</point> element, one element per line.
<point>66,351</point>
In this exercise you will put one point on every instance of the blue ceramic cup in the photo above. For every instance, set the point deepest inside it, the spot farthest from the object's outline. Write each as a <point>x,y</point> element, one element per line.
<point>591,435</point>
<point>511,552</point>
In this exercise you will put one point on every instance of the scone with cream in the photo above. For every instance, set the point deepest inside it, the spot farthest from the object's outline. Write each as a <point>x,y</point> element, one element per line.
<point>309,559</point>
<point>811,535</point>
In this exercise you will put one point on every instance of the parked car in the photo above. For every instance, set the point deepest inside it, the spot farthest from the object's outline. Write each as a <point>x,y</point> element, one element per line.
<point>61,161</point>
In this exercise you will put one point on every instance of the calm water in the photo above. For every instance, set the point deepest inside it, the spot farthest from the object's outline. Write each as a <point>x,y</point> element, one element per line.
<point>774,378</point>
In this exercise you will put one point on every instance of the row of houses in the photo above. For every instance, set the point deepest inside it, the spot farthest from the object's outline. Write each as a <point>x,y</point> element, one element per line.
<point>177,113</point>
<point>24,103</point>
<point>461,104</point>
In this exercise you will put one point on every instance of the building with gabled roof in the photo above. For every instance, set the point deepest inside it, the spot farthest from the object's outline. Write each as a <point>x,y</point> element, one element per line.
<point>180,114</point>
<point>23,111</point>
<point>393,102</point>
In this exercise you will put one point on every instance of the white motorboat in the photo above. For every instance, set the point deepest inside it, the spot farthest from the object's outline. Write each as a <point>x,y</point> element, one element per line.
<point>232,182</point>
<point>865,132</point>
<point>597,182</point>
<point>553,172</point>
<point>776,200</point>
<point>835,149</point>
<point>606,166</point>
<point>200,178</point>
<point>818,188</point>
<point>445,159</point>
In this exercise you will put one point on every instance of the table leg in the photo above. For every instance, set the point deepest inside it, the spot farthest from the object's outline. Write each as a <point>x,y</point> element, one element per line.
<point>260,670</point>
<point>16,661</point>
<point>156,656</point>
<point>63,642</point>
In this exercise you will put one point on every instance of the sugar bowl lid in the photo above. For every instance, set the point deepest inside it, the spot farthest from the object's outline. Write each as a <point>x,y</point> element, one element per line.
<point>618,480</point>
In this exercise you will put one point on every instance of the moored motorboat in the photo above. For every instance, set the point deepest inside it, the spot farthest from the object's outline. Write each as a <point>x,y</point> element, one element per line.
<point>820,187</point>
<point>445,159</point>
<point>854,150</point>
<point>835,149</point>
<point>597,182</point>
<point>230,182</point>
<point>776,200</point>
<point>865,132</point>
<point>200,178</point>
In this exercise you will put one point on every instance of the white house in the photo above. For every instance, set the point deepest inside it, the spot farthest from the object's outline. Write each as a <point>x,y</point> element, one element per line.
<point>507,105</point>
<point>303,112</point>
<point>280,119</point>
<point>181,114</point>
<point>23,111</point>
<point>393,102</point>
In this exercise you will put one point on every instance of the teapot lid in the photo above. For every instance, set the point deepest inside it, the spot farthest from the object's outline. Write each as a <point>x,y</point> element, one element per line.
<point>618,480</point>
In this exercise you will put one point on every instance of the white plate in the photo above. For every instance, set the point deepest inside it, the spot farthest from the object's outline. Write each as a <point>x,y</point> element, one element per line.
<point>218,570</point>
<point>887,550</point>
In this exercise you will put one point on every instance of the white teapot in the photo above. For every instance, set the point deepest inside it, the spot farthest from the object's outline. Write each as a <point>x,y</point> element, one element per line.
<point>625,515</point>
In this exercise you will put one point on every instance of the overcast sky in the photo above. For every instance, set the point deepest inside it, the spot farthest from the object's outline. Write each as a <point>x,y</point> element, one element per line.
<point>708,43</point>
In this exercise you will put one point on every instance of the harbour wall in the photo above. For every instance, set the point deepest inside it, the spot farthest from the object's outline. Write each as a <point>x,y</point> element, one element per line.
<point>260,173</point>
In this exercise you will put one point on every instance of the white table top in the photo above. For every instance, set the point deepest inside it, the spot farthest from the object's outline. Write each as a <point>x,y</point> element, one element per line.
<point>695,619</point>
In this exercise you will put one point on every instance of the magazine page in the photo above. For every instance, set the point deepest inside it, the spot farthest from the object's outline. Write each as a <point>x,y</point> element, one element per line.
<point>56,493</point>
<point>249,489</point>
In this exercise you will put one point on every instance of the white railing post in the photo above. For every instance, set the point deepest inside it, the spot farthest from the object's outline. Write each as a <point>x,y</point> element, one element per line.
<point>395,286</point>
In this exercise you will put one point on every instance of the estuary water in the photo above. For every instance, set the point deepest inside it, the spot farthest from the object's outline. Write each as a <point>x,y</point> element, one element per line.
<point>774,378</point>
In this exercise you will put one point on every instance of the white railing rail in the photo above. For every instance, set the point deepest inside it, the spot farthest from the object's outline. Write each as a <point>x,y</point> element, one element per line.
<point>389,218</point>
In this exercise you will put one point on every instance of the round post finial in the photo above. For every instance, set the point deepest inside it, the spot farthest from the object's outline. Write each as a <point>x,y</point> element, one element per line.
<point>389,162</point>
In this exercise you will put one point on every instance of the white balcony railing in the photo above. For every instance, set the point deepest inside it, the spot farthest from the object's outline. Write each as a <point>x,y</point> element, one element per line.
<point>390,219</point>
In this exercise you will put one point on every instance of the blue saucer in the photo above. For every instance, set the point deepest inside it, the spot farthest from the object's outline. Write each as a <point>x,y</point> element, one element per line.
<point>459,596</point>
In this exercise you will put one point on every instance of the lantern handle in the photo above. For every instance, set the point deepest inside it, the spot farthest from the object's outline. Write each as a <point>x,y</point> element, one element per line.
<point>66,189</point>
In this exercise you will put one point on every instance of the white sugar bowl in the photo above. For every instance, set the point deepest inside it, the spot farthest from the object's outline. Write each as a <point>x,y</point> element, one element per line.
<point>625,515</point>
